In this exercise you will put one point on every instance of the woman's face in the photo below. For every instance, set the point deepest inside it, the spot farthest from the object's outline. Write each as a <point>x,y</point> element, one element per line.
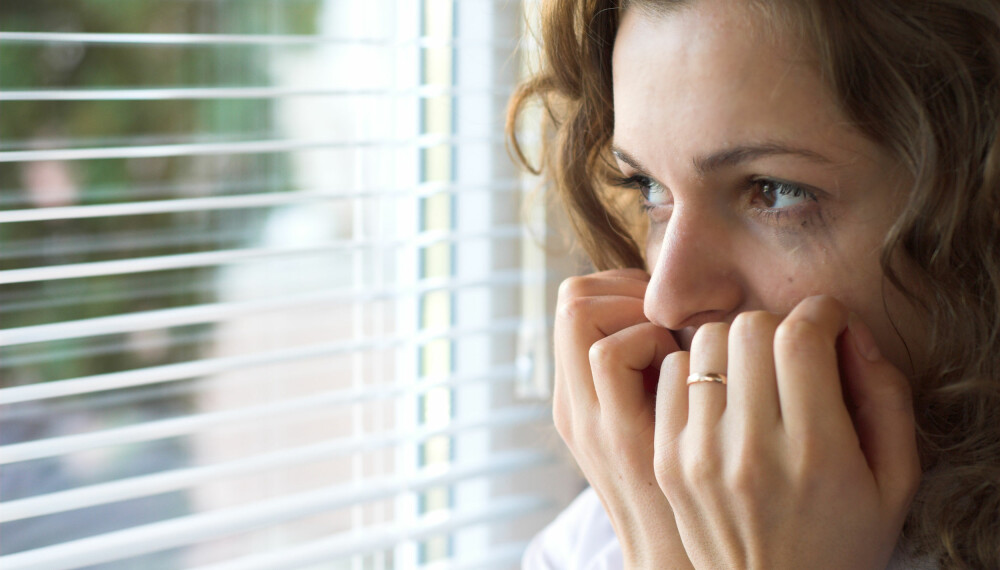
<point>759,193</point>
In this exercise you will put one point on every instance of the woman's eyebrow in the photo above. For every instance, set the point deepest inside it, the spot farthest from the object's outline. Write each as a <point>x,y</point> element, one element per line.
<point>729,157</point>
<point>628,159</point>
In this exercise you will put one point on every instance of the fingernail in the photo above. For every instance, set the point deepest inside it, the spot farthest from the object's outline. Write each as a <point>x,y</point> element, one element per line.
<point>863,339</point>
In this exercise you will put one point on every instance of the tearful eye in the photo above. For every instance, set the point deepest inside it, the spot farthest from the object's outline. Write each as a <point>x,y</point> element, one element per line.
<point>653,193</point>
<point>777,195</point>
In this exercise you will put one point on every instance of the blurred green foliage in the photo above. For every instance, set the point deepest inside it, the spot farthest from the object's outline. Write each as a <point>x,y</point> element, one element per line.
<point>27,125</point>
<point>36,124</point>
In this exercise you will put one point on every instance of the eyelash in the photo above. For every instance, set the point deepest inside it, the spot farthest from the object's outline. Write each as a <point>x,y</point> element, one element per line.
<point>640,183</point>
<point>644,183</point>
<point>785,189</point>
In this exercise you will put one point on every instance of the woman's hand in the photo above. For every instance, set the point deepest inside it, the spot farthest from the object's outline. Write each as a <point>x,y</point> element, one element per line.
<point>607,363</point>
<point>794,464</point>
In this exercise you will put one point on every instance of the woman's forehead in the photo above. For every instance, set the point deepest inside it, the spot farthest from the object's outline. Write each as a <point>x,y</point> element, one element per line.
<point>701,78</point>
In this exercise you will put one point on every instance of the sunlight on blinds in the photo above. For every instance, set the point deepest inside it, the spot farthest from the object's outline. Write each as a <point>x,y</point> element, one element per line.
<point>262,283</point>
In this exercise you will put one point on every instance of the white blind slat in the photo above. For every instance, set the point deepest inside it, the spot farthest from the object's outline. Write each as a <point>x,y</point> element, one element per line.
<point>244,201</point>
<point>402,155</point>
<point>199,528</point>
<point>218,312</point>
<point>235,148</point>
<point>339,497</point>
<point>154,39</point>
<point>208,366</point>
<point>223,93</point>
<point>177,479</point>
<point>216,258</point>
<point>382,538</point>
<point>150,431</point>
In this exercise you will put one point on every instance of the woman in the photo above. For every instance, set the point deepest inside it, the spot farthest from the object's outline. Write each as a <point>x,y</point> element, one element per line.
<point>790,357</point>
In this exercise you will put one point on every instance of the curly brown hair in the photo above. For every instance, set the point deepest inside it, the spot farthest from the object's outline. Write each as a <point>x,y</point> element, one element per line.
<point>922,79</point>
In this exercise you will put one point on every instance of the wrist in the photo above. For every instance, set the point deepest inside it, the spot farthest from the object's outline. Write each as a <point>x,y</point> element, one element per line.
<point>652,542</point>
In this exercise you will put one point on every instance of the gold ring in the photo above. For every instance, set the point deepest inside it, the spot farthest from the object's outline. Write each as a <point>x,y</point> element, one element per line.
<point>710,377</point>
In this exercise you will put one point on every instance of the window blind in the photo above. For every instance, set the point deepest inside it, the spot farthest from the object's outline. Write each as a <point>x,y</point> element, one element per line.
<point>266,299</point>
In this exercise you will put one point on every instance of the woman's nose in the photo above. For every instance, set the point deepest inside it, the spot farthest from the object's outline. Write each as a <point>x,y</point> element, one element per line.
<point>695,274</point>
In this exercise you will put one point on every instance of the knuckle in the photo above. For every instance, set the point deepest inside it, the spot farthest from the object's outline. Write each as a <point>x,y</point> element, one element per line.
<point>629,272</point>
<point>573,310</point>
<point>824,303</point>
<point>752,324</point>
<point>709,333</point>
<point>675,362</point>
<point>604,350</point>
<point>795,334</point>
<point>574,287</point>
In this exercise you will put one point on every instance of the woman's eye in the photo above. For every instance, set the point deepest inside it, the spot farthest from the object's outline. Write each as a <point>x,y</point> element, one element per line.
<point>652,192</point>
<point>777,195</point>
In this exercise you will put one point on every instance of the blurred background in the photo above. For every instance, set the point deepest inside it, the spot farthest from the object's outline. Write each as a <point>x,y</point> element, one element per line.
<point>271,292</point>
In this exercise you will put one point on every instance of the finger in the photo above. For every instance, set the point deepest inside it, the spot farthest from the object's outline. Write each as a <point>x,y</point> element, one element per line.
<point>562,410</point>
<point>580,322</point>
<point>627,272</point>
<point>805,359</point>
<point>672,396</point>
<point>882,407</point>
<point>619,363</point>
<point>669,452</point>
<point>752,392</point>
<point>628,283</point>
<point>709,355</point>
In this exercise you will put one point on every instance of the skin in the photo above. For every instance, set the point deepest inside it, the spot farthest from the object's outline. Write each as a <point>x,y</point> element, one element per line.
<point>807,458</point>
